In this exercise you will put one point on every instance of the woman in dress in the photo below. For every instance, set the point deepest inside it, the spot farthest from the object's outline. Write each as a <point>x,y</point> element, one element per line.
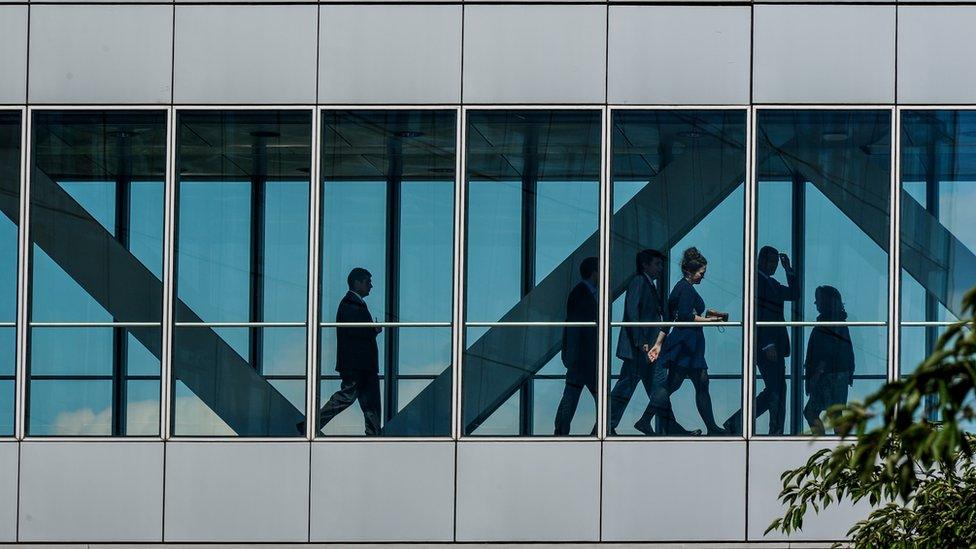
<point>683,354</point>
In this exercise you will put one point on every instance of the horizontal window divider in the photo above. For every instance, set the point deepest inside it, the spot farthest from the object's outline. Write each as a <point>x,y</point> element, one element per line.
<point>239,324</point>
<point>8,324</point>
<point>339,439</point>
<point>81,377</point>
<point>96,324</point>
<point>731,323</point>
<point>207,438</point>
<point>418,377</point>
<point>824,323</point>
<point>385,324</point>
<point>94,438</point>
<point>526,324</point>
<point>922,323</point>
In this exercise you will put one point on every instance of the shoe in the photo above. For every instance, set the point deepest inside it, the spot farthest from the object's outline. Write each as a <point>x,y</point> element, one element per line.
<point>644,427</point>
<point>732,424</point>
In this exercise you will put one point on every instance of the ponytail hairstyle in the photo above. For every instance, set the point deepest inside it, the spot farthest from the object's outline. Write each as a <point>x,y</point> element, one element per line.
<point>692,260</point>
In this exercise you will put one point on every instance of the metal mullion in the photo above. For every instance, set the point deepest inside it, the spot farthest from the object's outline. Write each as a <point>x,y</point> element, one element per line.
<point>239,324</point>
<point>169,245</point>
<point>460,216</point>
<point>20,420</point>
<point>314,228</point>
<point>603,301</point>
<point>749,283</point>
<point>94,324</point>
<point>894,253</point>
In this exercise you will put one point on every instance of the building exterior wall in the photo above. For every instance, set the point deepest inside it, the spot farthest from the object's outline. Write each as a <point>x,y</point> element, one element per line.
<point>457,56</point>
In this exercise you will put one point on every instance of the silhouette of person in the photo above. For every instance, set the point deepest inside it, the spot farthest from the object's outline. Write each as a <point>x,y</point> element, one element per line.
<point>772,342</point>
<point>357,356</point>
<point>579,349</point>
<point>683,353</point>
<point>639,346</point>
<point>829,366</point>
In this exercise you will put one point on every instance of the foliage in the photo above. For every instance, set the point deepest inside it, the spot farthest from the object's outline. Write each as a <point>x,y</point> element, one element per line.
<point>919,476</point>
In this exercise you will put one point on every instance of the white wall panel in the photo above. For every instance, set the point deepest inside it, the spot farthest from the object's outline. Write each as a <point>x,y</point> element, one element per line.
<point>390,54</point>
<point>382,491</point>
<point>824,54</point>
<point>674,491</point>
<point>237,491</point>
<point>767,461</point>
<point>528,491</point>
<point>653,59</point>
<point>100,54</point>
<point>245,54</point>
<point>535,54</point>
<point>8,491</point>
<point>935,50</point>
<point>13,53</point>
<point>91,491</point>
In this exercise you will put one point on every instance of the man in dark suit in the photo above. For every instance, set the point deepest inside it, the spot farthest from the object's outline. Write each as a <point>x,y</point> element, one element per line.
<point>357,357</point>
<point>638,346</point>
<point>579,351</point>
<point>773,342</point>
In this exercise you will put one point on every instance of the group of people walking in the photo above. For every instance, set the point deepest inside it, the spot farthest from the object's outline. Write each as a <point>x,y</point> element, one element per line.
<point>662,344</point>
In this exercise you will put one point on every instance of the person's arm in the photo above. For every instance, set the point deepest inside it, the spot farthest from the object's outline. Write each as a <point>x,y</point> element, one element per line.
<point>684,309</point>
<point>790,291</point>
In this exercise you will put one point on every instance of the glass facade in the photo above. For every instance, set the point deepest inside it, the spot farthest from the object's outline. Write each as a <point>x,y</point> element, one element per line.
<point>428,304</point>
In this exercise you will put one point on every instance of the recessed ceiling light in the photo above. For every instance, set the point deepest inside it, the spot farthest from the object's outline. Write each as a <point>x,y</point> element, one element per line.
<point>409,133</point>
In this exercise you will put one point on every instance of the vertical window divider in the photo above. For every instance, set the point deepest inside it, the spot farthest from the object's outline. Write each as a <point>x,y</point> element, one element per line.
<point>314,214</point>
<point>894,250</point>
<point>20,406</point>
<point>603,321</point>
<point>457,338</point>
<point>169,245</point>
<point>749,275</point>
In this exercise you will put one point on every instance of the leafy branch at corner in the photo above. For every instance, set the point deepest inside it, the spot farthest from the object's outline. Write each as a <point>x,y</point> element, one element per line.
<point>918,476</point>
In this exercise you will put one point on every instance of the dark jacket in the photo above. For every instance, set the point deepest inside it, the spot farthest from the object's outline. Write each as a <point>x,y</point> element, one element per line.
<point>770,297</point>
<point>355,346</point>
<point>641,304</point>
<point>579,351</point>
<point>830,350</point>
<point>685,345</point>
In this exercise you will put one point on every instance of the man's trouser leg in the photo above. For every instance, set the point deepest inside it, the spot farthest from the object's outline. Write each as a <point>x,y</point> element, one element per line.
<point>622,391</point>
<point>773,396</point>
<point>567,408</point>
<point>340,400</point>
<point>369,402</point>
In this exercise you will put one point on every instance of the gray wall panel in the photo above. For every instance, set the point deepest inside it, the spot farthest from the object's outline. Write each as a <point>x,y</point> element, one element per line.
<point>824,54</point>
<point>8,491</point>
<point>674,491</point>
<point>100,54</point>
<point>13,53</point>
<point>767,461</point>
<point>935,49</point>
<point>245,54</point>
<point>652,60</point>
<point>535,54</point>
<point>91,491</point>
<point>525,491</point>
<point>382,491</point>
<point>390,54</point>
<point>237,491</point>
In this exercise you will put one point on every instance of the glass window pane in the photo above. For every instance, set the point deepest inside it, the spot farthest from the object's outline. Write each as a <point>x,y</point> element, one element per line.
<point>823,203</point>
<point>10,136</point>
<point>93,381</point>
<point>96,224</point>
<point>678,180</point>
<point>412,370</point>
<point>388,207</point>
<point>242,244</point>
<point>231,381</point>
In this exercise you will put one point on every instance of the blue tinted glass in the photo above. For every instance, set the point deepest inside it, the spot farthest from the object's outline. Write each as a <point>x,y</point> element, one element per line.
<point>413,366</point>
<point>388,207</point>
<point>533,197</point>
<point>938,228</point>
<point>80,380</point>
<point>823,202</point>
<point>242,245</point>
<point>96,215</point>
<point>239,381</point>
<point>10,135</point>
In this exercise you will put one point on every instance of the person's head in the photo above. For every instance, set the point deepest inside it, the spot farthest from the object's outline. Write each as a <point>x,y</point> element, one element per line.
<point>768,260</point>
<point>829,303</point>
<point>693,265</point>
<point>360,281</point>
<point>589,269</point>
<point>650,262</point>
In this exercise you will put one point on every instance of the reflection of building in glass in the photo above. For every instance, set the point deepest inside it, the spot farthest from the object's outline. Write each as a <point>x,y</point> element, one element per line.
<point>177,251</point>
